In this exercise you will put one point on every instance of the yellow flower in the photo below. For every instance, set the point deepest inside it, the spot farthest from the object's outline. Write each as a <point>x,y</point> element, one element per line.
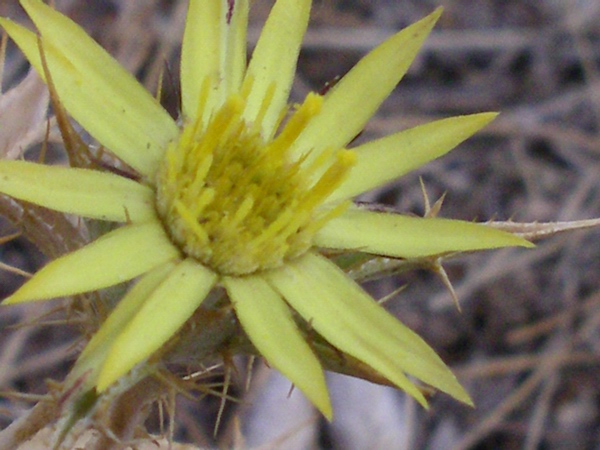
<point>235,195</point>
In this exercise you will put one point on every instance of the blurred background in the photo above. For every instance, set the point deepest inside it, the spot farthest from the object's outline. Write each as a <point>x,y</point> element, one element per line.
<point>527,342</point>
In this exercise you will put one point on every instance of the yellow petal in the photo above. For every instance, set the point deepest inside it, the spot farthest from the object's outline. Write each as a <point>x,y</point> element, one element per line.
<point>273,64</point>
<point>116,257</point>
<point>409,237</point>
<point>106,100</point>
<point>92,358</point>
<point>340,311</point>
<point>353,101</point>
<point>268,322</point>
<point>159,318</point>
<point>86,193</point>
<point>383,160</point>
<point>214,52</point>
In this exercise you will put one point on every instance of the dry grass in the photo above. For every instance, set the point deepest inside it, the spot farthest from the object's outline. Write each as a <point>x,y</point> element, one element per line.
<point>528,339</point>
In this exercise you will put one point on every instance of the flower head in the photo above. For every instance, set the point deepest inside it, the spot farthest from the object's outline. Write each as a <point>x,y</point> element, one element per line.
<point>240,192</point>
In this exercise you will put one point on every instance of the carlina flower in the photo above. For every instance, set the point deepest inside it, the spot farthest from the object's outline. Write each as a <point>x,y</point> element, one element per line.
<point>242,192</point>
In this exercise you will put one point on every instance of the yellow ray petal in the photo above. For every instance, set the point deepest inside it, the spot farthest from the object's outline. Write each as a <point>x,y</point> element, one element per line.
<point>106,100</point>
<point>86,193</point>
<point>268,322</point>
<point>116,257</point>
<point>353,101</point>
<point>409,237</point>
<point>213,51</point>
<point>345,315</point>
<point>92,358</point>
<point>384,160</point>
<point>162,314</point>
<point>273,64</point>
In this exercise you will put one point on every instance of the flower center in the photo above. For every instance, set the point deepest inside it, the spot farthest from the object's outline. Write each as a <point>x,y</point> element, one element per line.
<point>239,204</point>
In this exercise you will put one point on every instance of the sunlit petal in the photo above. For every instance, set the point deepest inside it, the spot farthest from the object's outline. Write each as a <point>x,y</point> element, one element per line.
<point>409,237</point>
<point>214,52</point>
<point>345,315</point>
<point>353,101</point>
<point>116,257</point>
<point>87,193</point>
<point>273,65</point>
<point>267,320</point>
<point>383,160</point>
<point>106,100</point>
<point>161,315</point>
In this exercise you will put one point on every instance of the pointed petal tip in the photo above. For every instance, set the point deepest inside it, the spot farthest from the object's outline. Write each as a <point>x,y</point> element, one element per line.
<point>431,19</point>
<point>327,411</point>
<point>22,295</point>
<point>106,378</point>
<point>133,125</point>
<point>12,300</point>
<point>29,5</point>
<point>487,117</point>
<point>526,244</point>
<point>10,26</point>
<point>437,12</point>
<point>467,400</point>
<point>513,240</point>
<point>458,392</point>
<point>268,323</point>
<point>33,7</point>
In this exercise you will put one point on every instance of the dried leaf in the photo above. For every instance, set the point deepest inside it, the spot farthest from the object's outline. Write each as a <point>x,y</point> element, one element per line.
<point>51,232</point>
<point>534,231</point>
<point>22,111</point>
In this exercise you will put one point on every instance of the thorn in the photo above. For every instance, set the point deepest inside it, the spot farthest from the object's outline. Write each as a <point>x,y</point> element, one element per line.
<point>249,370</point>
<point>226,384</point>
<point>431,211</point>
<point>425,197</point>
<point>533,231</point>
<point>291,391</point>
<point>160,84</point>
<point>391,295</point>
<point>3,43</point>
<point>171,412</point>
<point>10,237</point>
<point>15,270</point>
<point>44,149</point>
<point>441,272</point>
<point>437,206</point>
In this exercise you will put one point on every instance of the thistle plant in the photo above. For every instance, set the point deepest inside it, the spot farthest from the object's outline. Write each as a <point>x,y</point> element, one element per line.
<point>231,228</point>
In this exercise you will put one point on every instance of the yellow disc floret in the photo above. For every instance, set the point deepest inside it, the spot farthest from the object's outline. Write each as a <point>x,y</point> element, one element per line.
<point>239,204</point>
